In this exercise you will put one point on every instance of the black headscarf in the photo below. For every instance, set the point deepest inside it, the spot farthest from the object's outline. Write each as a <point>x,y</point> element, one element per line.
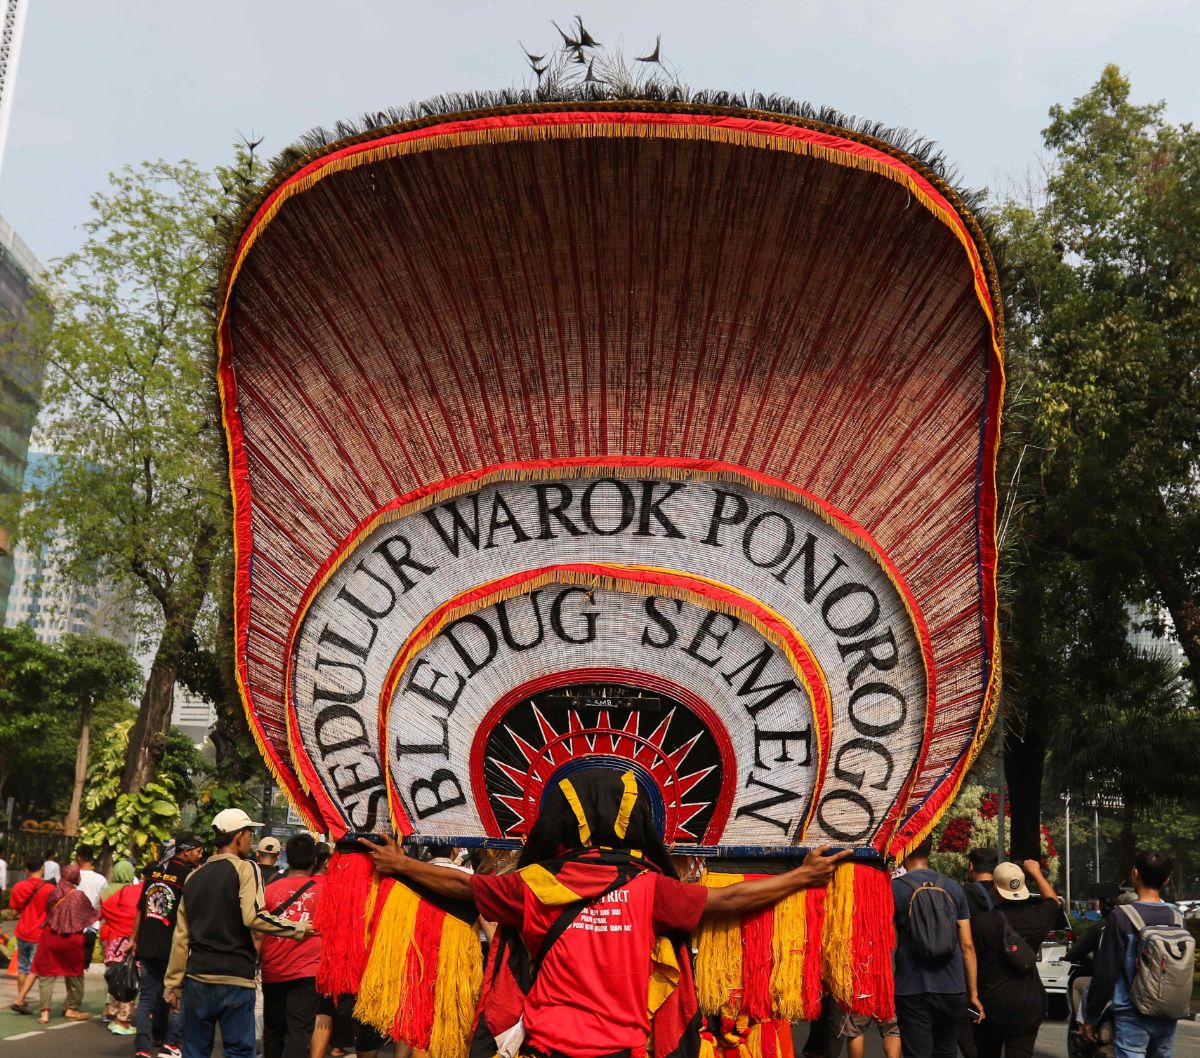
<point>599,794</point>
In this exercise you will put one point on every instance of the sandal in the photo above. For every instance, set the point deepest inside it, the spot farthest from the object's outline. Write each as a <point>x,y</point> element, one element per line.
<point>76,1015</point>
<point>44,1017</point>
<point>20,1008</point>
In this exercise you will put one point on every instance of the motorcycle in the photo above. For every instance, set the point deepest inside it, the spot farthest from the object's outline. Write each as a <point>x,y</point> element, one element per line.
<point>1079,1046</point>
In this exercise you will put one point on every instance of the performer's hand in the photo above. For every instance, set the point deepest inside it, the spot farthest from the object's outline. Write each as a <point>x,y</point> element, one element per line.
<point>389,858</point>
<point>819,864</point>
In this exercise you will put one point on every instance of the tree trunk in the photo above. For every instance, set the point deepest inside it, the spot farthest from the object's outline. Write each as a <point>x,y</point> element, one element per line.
<point>1024,764</point>
<point>148,736</point>
<point>1184,609</point>
<point>71,823</point>
<point>1127,841</point>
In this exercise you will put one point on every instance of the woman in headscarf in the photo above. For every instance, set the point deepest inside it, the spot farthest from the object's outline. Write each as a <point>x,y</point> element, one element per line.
<point>118,909</point>
<point>69,914</point>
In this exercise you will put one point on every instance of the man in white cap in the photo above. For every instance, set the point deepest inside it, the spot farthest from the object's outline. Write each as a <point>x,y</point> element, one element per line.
<point>213,955</point>
<point>267,853</point>
<point>1006,942</point>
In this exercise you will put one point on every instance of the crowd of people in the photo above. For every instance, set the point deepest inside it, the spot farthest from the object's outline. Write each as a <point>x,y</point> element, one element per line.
<point>221,934</point>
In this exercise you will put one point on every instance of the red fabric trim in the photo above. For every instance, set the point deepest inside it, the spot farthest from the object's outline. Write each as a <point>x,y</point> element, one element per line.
<point>243,546</point>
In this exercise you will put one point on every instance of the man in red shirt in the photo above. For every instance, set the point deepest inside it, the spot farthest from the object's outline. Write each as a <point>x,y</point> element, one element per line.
<point>29,898</point>
<point>594,891</point>
<point>289,968</point>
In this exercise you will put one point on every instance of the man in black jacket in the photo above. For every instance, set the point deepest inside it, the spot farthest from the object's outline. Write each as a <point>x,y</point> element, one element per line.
<point>213,955</point>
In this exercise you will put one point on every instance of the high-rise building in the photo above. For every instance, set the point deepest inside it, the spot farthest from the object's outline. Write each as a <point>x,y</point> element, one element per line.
<point>53,605</point>
<point>12,25</point>
<point>20,378</point>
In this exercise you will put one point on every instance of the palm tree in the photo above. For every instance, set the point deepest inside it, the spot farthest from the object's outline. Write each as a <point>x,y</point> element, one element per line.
<point>1139,743</point>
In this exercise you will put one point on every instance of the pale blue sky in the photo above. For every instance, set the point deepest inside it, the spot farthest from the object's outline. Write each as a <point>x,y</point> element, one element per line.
<point>102,83</point>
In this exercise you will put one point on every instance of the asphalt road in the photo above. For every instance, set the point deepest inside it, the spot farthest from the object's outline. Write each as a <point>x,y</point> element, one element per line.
<point>22,1037</point>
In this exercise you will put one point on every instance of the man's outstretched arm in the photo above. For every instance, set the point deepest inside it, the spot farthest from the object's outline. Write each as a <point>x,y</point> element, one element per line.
<point>814,872</point>
<point>391,859</point>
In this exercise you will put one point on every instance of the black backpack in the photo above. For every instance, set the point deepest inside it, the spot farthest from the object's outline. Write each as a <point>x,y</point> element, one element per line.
<point>1020,958</point>
<point>932,921</point>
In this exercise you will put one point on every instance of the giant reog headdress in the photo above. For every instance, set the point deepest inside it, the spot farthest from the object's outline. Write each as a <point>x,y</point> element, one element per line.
<point>655,436</point>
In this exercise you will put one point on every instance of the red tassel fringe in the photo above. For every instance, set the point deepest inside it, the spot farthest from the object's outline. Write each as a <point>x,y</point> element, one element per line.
<point>758,928</point>
<point>339,917</point>
<point>873,940</point>
<point>814,928</point>
<point>414,1022</point>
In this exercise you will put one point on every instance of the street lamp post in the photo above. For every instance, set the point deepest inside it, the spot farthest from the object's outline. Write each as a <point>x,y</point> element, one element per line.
<point>1067,844</point>
<point>1096,832</point>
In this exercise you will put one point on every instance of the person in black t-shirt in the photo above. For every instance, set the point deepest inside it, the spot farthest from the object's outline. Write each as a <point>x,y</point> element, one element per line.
<point>153,930</point>
<point>1015,1001</point>
<point>980,865</point>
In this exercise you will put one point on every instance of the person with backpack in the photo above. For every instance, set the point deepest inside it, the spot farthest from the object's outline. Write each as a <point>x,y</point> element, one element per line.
<point>934,960</point>
<point>1006,942</point>
<point>29,897</point>
<point>583,915</point>
<point>1143,967</point>
<point>289,969</point>
<point>980,865</point>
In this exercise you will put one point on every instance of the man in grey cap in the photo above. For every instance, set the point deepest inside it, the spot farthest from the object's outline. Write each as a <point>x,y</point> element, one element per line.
<point>213,956</point>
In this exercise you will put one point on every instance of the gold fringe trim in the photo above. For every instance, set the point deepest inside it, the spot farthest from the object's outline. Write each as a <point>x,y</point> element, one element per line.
<point>719,956</point>
<point>837,958</point>
<point>383,980</point>
<point>459,981</point>
<point>787,956</point>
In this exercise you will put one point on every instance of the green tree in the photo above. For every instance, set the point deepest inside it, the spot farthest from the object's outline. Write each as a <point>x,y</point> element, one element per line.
<point>139,496</point>
<point>130,823</point>
<point>32,713</point>
<point>95,670</point>
<point>1138,743</point>
<point>1104,355</point>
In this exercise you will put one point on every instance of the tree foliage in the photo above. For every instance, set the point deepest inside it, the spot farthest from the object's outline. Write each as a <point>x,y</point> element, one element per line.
<point>44,691</point>
<point>139,494</point>
<point>130,823</point>
<point>1104,425</point>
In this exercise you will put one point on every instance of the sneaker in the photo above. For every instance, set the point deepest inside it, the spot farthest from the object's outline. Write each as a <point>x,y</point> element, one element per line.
<point>170,1051</point>
<point>117,1029</point>
<point>143,1054</point>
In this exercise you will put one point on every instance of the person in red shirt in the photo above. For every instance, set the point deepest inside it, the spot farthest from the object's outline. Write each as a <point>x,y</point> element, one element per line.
<point>118,910</point>
<point>29,898</point>
<point>594,891</point>
<point>289,968</point>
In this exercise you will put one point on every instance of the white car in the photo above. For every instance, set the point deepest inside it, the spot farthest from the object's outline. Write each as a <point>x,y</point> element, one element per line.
<point>1052,966</point>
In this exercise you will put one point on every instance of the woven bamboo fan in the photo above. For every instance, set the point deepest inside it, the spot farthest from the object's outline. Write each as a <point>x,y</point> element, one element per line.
<point>653,435</point>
